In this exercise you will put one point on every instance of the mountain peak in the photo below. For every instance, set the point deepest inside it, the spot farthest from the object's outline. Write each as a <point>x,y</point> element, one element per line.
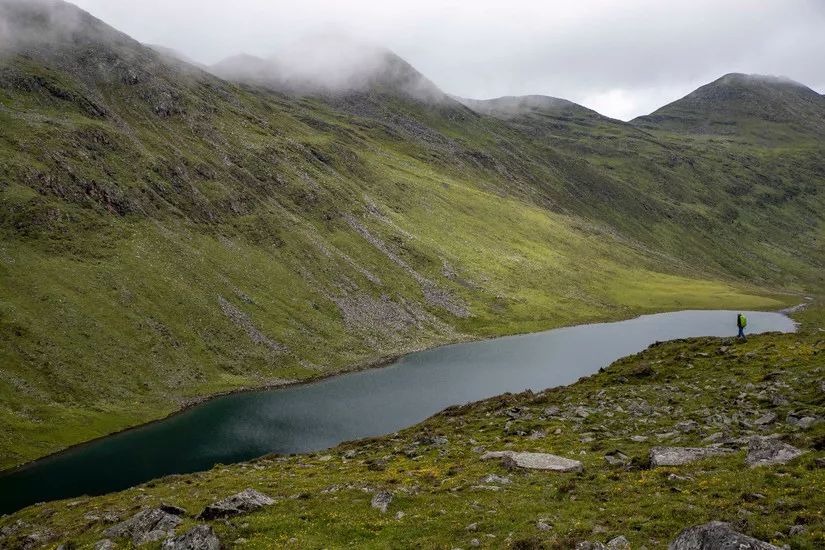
<point>51,26</point>
<point>508,107</point>
<point>330,64</point>
<point>728,105</point>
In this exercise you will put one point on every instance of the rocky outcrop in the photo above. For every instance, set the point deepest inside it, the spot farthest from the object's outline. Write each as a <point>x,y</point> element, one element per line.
<point>200,537</point>
<point>767,451</point>
<point>244,502</point>
<point>716,535</point>
<point>535,461</point>
<point>146,526</point>
<point>381,501</point>
<point>676,456</point>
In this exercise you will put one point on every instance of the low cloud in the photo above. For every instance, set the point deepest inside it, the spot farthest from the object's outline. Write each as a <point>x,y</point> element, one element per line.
<point>621,57</point>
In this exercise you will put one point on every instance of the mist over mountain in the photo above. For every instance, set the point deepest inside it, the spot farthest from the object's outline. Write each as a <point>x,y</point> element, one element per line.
<point>330,65</point>
<point>515,106</point>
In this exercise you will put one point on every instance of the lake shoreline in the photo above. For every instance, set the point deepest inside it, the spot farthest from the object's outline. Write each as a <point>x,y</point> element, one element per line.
<point>373,364</point>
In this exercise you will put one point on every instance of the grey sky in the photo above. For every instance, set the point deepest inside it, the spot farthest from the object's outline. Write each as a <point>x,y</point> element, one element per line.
<point>620,57</point>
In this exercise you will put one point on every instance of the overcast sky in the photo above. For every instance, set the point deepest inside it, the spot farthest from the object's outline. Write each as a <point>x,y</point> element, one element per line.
<point>621,57</point>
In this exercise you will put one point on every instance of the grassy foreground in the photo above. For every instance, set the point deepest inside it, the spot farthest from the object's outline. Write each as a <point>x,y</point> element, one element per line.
<point>684,393</point>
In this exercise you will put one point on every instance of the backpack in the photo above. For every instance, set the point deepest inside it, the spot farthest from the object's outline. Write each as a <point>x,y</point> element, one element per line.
<point>743,320</point>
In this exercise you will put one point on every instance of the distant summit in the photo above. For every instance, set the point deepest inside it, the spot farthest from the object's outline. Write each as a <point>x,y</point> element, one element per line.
<point>509,107</point>
<point>331,65</point>
<point>54,27</point>
<point>739,103</point>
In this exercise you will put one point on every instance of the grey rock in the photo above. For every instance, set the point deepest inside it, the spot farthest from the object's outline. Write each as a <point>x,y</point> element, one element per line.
<point>714,437</point>
<point>148,525</point>
<point>676,456</point>
<point>552,411</point>
<point>433,441</point>
<point>640,408</point>
<point>493,478</point>
<point>766,451</point>
<point>806,422</point>
<point>535,461</point>
<point>381,501</point>
<point>542,526</point>
<point>244,502</point>
<point>104,544</point>
<point>797,530</point>
<point>687,426</point>
<point>716,535</point>
<point>616,458</point>
<point>587,545</point>
<point>779,400</point>
<point>765,419</point>
<point>200,537</point>
<point>618,543</point>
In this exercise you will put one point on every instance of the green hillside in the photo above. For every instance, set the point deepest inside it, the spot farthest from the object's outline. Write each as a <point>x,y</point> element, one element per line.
<point>166,235</point>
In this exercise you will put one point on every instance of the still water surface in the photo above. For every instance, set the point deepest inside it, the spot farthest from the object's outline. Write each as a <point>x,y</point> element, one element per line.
<point>320,415</point>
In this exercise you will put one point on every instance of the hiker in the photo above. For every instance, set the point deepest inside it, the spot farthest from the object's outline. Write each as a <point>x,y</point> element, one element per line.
<point>741,323</point>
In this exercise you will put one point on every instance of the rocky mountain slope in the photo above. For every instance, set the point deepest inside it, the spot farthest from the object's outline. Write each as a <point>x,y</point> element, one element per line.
<point>764,107</point>
<point>166,234</point>
<point>656,449</point>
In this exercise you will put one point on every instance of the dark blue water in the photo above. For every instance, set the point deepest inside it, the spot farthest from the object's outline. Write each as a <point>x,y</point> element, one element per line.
<point>320,415</point>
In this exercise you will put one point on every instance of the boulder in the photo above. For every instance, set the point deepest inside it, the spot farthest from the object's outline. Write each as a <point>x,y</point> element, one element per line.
<point>618,543</point>
<point>616,458</point>
<point>104,544</point>
<point>716,535</point>
<point>765,419</point>
<point>766,451</point>
<point>244,502</point>
<point>381,501</point>
<point>797,530</point>
<point>535,461</point>
<point>676,456</point>
<point>687,426</point>
<point>200,537</point>
<point>807,422</point>
<point>148,525</point>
